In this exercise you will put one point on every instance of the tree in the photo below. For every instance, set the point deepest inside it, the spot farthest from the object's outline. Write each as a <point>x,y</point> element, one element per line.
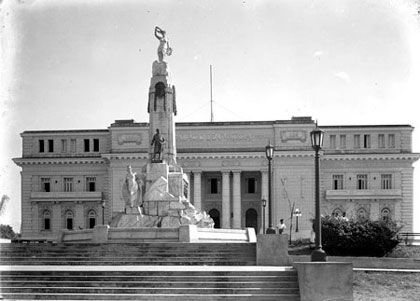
<point>7,232</point>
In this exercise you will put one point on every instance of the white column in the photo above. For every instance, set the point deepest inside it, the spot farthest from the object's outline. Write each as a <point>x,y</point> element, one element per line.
<point>197,190</point>
<point>237,216</point>
<point>264,193</point>
<point>225,200</point>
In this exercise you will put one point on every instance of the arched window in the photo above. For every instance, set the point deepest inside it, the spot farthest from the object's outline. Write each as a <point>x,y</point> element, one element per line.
<point>362,214</point>
<point>251,219</point>
<point>385,214</point>
<point>337,212</point>
<point>91,219</point>
<point>46,220</point>
<point>69,220</point>
<point>215,215</point>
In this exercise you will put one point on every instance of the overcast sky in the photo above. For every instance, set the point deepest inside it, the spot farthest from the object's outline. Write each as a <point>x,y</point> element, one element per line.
<point>82,65</point>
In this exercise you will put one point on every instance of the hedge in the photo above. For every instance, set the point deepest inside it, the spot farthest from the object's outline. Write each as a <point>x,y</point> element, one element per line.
<point>344,237</point>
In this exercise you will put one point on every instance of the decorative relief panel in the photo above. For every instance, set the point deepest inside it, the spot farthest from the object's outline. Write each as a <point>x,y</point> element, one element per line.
<point>293,136</point>
<point>191,164</point>
<point>216,137</point>
<point>231,163</point>
<point>129,138</point>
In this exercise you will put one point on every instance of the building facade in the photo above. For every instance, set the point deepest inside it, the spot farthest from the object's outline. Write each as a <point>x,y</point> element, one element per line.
<point>73,179</point>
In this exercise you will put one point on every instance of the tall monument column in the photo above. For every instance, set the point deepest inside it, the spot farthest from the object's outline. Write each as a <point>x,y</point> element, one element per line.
<point>162,106</point>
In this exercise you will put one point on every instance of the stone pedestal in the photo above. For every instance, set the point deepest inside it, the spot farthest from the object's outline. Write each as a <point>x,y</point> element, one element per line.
<point>319,281</point>
<point>100,234</point>
<point>272,250</point>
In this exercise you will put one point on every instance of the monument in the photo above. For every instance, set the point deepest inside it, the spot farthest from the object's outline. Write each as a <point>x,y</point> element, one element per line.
<point>158,196</point>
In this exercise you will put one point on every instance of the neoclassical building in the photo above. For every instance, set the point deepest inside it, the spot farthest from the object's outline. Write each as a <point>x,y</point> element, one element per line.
<point>72,179</point>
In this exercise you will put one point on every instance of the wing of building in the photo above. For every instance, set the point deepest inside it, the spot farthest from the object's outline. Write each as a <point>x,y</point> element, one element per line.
<point>72,179</point>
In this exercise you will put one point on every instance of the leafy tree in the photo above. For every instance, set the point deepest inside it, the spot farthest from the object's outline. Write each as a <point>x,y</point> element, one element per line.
<point>344,237</point>
<point>6,231</point>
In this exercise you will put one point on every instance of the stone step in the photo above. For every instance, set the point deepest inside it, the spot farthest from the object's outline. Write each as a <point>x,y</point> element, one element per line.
<point>150,285</point>
<point>155,297</point>
<point>93,263</point>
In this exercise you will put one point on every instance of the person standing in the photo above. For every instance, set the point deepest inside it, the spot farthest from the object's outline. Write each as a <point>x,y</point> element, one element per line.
<point>281,226</point>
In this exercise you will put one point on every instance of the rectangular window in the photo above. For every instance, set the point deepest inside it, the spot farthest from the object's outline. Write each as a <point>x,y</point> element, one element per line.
<point>343,141</point>
<point>68,184</point>
<point>47,225</point>
<point>45,184</point>
<point>356,141</point>
<point>338,182</point>
<point>96,145</point>
<point>90,184</point>
<point>86,144</point>
<point>332,142</point>
<point>214,185</point>
<point>64,145</point>
<point>251,185</point>
<point>362,182</point>
<point>391,140</point>
<point>73,145</point>
<point>50,146</point>
<point>92,222</point>
<point>381,140</point>
<point>41,146</point>
<point>366,141</point>
<point>386,181</point>
<point>69,223</point>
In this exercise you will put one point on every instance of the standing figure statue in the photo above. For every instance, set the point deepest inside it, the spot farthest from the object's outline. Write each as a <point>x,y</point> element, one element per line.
<point>132,191</point>
<point>158,142</point>
<point>163,49</point>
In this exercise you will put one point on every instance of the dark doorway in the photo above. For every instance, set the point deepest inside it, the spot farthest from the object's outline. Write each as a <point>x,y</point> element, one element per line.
<point>215,215</point>
<point>251,219</point>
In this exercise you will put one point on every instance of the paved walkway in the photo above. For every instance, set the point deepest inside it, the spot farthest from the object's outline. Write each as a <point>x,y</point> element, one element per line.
<point>157,268</point>
<point>175,268</point>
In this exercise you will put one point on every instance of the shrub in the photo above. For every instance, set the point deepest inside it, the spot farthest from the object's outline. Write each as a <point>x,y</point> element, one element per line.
<point>7,232</point>
<point>343,237</point>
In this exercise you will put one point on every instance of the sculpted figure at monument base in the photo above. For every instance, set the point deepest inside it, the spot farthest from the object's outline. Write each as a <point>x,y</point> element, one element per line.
<point>163,204</point>
<point>132,192</point>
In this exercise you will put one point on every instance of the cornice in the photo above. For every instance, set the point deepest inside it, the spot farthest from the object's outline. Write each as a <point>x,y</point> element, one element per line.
<point>51,161</point>
<point>254,155</point>
<point>125,156</point>
<point>363,157</point>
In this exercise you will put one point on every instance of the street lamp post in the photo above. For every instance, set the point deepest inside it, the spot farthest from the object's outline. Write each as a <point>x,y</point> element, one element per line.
<point>263,203</point>
<point>103,212</point>
<point>317,139</point>
<point>269,152</point>
<point>297,213</point>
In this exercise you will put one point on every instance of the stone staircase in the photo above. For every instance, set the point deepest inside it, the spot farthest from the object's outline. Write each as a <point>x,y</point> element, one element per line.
<point>129,254</point>
<point>173,271</point>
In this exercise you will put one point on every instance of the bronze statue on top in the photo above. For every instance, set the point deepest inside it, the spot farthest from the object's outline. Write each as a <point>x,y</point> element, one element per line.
<point>164,49</point>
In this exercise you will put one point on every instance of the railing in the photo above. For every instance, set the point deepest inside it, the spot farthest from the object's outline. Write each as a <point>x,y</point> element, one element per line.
<point>409,237</point>
<point>363,193</point>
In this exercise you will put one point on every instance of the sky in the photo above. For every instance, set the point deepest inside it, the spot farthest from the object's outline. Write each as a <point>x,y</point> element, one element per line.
<point>83,64</point>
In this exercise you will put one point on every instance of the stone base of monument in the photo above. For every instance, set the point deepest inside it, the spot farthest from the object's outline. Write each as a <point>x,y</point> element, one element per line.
<point>182,234</point>
<point>272,250</point>
<point>319,281</point>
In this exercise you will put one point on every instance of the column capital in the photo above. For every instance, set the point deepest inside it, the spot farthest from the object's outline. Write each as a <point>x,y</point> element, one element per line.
<point>197,172</point>
<point>224,172</point>
<point>236,171</point>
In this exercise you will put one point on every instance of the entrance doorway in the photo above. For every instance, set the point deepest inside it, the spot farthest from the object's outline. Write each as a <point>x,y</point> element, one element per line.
<point>215,215</point>
<point>251,219</point>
